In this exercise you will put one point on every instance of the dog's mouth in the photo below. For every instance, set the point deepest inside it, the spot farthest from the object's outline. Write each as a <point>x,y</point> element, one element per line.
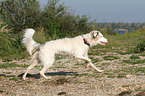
<point>102,43</point>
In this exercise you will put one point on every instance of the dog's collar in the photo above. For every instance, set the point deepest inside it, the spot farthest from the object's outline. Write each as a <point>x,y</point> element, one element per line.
<point>85,41</point>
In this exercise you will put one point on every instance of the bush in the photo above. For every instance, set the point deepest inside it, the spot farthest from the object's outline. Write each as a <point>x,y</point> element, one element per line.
<point>140,47</point>
<point>10,44</point>
<point>55,18</point>
<point>55,21</point>
<point>20,14</point>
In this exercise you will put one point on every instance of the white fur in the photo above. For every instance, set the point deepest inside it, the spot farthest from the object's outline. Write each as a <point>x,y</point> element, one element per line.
<point>28,40</point>
<point>73,46</point>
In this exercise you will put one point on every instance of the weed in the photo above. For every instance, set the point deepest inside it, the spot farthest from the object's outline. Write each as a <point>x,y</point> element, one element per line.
<point>99,76</point>
<point>121,76</point>
<point>105,64</point>
<point>110,57</point>
<point>121,52</point>
<point>126,61</point>
<point>142,93</point>
<point>134,61</point>
<point>140,47</point>
<point>84,74</point>
<point>111,76</point>
<point>134,57</point>
<point>15,78</point>
<point>125,86</point>
<point>133,70</point>
<point>140,69</point>
<point>76,67</point>
<point>95,60</point>
<point>59,61</point>
<point>124,93</point>
<point>6,65</point>
<point>108,73</point>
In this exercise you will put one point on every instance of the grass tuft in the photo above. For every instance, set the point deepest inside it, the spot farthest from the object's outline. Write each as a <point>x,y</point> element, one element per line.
<point>110,57</point>
<point>7,65</point>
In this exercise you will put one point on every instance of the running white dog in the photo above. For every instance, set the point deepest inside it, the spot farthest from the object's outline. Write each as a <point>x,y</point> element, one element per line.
<point>45,53</point>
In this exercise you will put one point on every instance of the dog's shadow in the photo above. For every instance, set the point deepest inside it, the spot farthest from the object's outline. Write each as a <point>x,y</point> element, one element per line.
<point>37,76</point>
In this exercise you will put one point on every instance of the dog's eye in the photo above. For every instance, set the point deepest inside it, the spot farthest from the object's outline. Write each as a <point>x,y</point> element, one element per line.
<point>95,36</point>
<point>97,33</point>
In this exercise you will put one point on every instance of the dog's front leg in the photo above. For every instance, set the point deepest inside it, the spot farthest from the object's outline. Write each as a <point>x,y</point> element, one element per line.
<point>89,62</point>
<point>95,67</point>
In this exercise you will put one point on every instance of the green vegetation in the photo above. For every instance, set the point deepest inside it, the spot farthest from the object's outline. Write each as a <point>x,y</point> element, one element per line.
<point>6,65</point>
<point>55,18</point>
<point>54,21</point>
<point>134,61</point>
<point>140,46</point>
<point>134,57</point>
<point>110,57</point>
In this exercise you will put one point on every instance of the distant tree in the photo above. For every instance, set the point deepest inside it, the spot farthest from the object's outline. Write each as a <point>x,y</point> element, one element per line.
<point>113,25</point>
<point>133,26</point>
<point>110,32</point>
<point>126,25</point>
<point>119,25</point>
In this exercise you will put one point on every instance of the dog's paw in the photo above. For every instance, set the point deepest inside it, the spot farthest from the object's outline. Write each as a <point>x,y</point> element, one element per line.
<point>100,71</point>
<point>24,78</point>
<point>87,65</point>
<point>49,77</point>
<point>80,61</point>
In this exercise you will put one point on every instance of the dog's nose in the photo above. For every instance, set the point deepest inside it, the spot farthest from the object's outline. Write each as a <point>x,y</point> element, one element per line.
<point>107,41</point>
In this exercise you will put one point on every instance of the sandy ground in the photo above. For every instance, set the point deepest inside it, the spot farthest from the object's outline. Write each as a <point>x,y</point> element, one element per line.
<point>72,79</point>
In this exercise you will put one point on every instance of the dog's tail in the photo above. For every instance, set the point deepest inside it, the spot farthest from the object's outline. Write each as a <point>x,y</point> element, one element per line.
<point>28,41</point>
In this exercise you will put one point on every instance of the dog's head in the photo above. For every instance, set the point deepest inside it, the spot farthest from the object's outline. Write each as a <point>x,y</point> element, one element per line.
<point>98,38</point>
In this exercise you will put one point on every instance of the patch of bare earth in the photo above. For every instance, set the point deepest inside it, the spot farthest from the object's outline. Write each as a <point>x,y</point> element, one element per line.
<point>72,79</point>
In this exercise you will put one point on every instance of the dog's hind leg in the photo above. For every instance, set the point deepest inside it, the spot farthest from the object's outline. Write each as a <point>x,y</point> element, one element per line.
<point>35,62</point>
<point>47,64</point>
<point>89,62</point>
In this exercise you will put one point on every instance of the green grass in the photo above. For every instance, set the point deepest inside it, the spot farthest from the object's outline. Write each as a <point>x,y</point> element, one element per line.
<point>15,78</point>
<point>84,74</point>
<point>134,61</point>
<point>94,59</point>
<point>110,57</point>
<point>121,76</point>
<point>130,70</point>
<point>7,65</point>
<point>134,57</point>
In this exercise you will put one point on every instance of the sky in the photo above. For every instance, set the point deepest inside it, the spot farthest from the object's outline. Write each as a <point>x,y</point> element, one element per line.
<point>125,11</point>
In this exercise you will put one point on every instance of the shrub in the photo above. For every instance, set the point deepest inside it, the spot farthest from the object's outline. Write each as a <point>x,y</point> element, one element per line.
<point>5,37</point>
<point>10,44</point>
<point>55,21</point>
<point>55,18</point>
<point>20,14</point>
<point>140,47</point>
